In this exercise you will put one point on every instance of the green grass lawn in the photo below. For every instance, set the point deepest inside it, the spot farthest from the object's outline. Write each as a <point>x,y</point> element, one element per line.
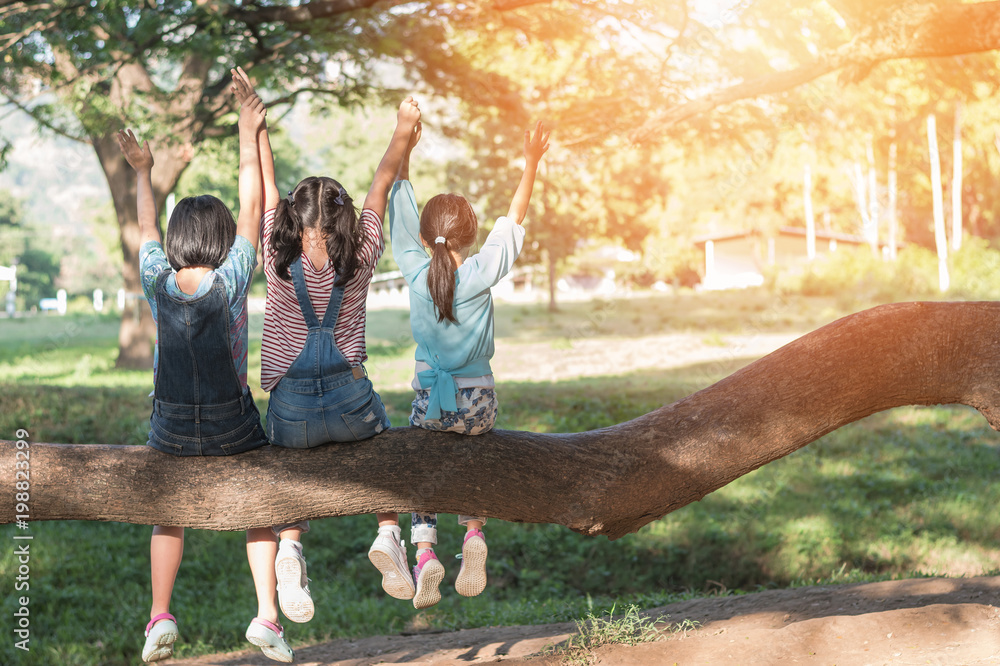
<point>903,493</point>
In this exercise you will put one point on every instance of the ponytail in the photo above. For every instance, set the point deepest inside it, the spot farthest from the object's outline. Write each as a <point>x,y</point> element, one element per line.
<point>286,237</point>
<point>441,281</point>
<point>448,222</point>
<point>344,235</point>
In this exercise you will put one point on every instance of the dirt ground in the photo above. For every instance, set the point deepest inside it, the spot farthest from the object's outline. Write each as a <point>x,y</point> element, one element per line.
<point>946,621</point>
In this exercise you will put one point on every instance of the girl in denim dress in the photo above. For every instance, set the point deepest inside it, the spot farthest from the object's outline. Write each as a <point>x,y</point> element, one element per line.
<point>319,256</point>
<point>451,315</point>
<point>196,285</point>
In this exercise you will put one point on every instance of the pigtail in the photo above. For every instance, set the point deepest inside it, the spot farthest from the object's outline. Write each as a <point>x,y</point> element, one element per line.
<point>343,231</point>
<point>441,280</point>
<point>286,237</point>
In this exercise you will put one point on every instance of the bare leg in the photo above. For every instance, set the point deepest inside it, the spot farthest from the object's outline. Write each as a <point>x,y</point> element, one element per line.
<point>262,547</point>
<point>387,519</point>
<point>166,548</point>
<point>293,533</point>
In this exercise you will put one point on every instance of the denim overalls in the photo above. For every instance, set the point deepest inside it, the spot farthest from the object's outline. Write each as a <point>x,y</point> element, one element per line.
<point>199,405</point>
<point>322,399</point>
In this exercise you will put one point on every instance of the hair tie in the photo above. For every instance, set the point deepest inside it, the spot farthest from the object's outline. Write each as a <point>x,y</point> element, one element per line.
<point>440,239</point>
<point>291,201</point>
<point>339,200</point>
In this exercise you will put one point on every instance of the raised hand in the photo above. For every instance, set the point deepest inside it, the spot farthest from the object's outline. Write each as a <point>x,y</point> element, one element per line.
<point>252,114</point>
<point>536,145</point>
<point>140,159</point>
<point>252,109</point>
<point>409,114</point>
<point>242,88</point>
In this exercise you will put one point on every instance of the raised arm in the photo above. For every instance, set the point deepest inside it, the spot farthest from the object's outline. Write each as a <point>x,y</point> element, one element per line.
<point>534,147</point>
<point>251,121</point>
<point>268,182</point>
<point>406,119</point>
<point>404,166</point>
<point>141,159</point>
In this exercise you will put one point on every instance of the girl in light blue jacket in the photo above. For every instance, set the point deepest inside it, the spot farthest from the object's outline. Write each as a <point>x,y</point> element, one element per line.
<point>451,315</point>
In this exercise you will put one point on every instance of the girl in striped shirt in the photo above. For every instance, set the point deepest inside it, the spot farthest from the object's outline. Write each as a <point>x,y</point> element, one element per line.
<point>319,257</point>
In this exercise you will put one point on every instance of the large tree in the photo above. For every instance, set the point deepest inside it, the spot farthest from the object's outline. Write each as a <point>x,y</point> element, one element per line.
<point>82,69</point>
<point>853,39</point>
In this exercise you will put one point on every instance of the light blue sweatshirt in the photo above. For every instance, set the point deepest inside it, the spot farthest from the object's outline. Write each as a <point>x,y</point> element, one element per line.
<point>451,350</point>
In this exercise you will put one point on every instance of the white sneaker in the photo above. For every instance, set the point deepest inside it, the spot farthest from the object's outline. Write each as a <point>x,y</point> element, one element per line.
<point>293,586</point>
<point>389,557</point>
<point>161,632</point>
<point>270,638</point>
<point>472,576</point>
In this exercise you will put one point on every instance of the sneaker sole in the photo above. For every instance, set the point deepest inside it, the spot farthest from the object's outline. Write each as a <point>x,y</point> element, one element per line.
<point>270,651</point>
<point>396,582</point>
<point>295,602</point>
<point>164,648</point>
<point>427,593</point>
<point>472,578</point>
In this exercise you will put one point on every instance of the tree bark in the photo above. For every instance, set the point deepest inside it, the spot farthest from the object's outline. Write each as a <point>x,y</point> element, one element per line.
<point>610,481</point>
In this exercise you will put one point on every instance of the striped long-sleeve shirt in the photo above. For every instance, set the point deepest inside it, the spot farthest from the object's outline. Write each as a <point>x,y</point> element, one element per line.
<point>284,326</point>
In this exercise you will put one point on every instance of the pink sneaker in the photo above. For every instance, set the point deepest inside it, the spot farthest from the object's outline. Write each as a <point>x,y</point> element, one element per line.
<point>472,577</point>
<point>427,575</point>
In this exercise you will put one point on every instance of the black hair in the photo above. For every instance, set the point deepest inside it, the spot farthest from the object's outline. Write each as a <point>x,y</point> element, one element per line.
<point>319,203</point>
<point>200,232</point>
<point>451,218</point>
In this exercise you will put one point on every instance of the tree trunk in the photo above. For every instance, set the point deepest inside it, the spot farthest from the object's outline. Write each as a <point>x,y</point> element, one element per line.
<point>891,222</point>
<point>872,198</point>
<point>861,195</point>
<point>808,211</point>
<point>940,236</point>
<point>553,277</point>
<point>956,182</point>
<point>610,481</point>
<point>137,330</point>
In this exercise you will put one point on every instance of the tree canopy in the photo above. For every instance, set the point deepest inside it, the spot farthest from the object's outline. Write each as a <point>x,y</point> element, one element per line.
<point>631,89</point>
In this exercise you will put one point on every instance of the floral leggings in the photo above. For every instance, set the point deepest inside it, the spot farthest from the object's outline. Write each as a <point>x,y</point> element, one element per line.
<point>477,412</point>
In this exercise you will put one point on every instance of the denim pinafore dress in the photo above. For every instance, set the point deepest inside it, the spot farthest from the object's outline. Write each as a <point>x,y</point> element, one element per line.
<point>199,405</point>
<point>321,398</point>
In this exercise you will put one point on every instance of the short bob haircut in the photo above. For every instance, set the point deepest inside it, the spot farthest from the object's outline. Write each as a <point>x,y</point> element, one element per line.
<point>200,232</point>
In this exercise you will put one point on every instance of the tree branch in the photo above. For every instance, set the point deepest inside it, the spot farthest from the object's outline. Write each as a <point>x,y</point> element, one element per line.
<point>610,481</point>
<point>42,121</point>
<point>507,5</point>
<point>925,32</point>
<point>304,13</point>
